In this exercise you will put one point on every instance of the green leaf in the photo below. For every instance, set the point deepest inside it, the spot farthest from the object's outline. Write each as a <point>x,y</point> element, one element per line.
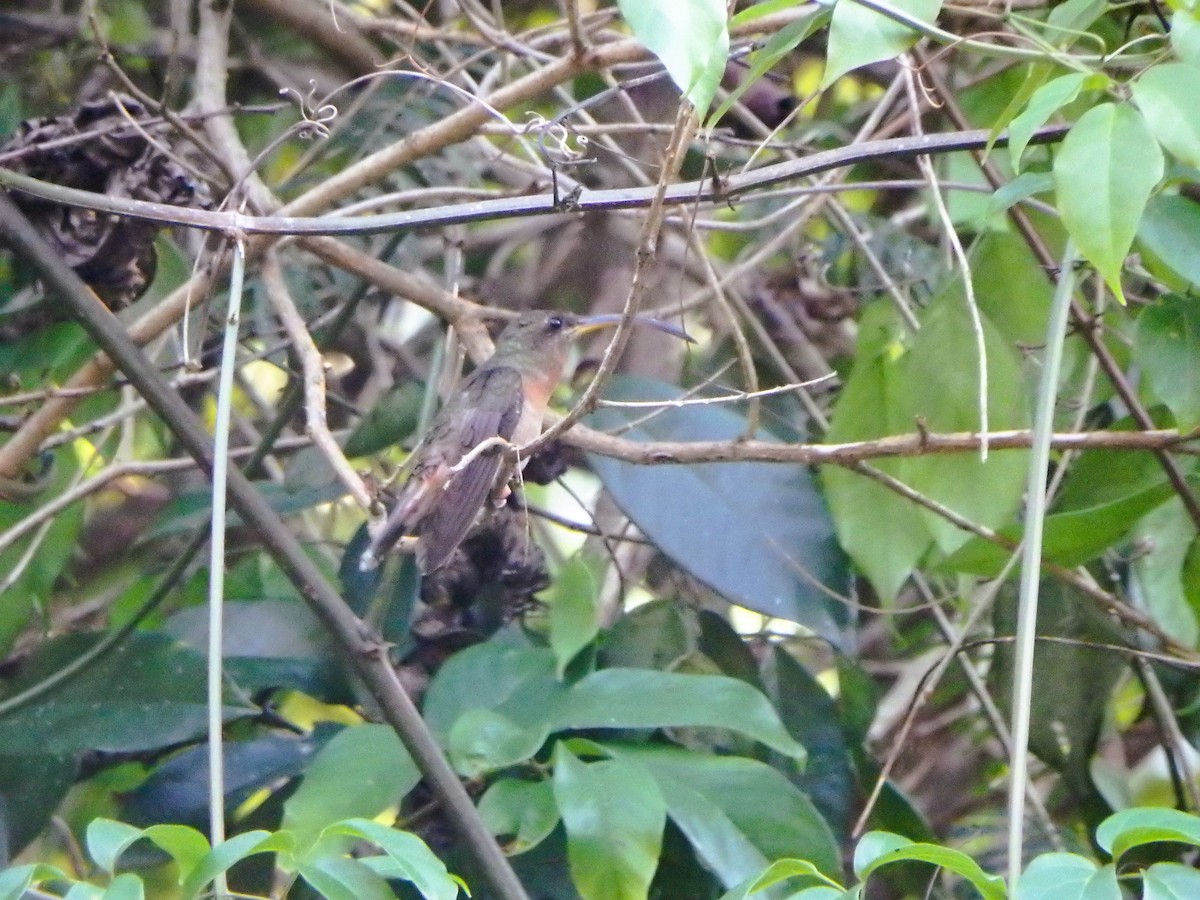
<point>985,492</point>
<point>1066,876</point>
<point>1105,493</point>
<point>1170,881</point>
<point>187,846</point>
<point>517,682</point>
<point>1166,95</point>
<point>691,37</point>
<point>483,741</point>
<point>340,878</point>
<point>1012,290</point>
<point>765,807</point>
<point>670,700</point>
<point>1185,35</point>
<point>883,533</point>
<point>407,857</point>
<point>1104,172</point>
<point>756,11</point>
<point>16,881</point>
<point>391,419</point>
<point>877,849</point>
<point>1046,100</point>
<point>1165,537</point>
<point>146,694</point>
<point>1129,828</point>
<point>859,36</point>
<point>125,886</point>
<point>107,839</point>
<point>756,533</point>
<point>812,717</point>
<point>1167,347</point>
<point>893,386</point>
<point>1024,186</point>
<point>363,770</point>
<point>1066,722</point>
<point>717,842</point>
<point>761,61</point>
<point>229,853</point>
<point>522,810</point>
<point>32,785</point>
<point>1068,21</point>
<point>574,611</point>
<point>1170,230</point>
<point>783,870</point>
<point>82,890</point>
<point>614,815</point>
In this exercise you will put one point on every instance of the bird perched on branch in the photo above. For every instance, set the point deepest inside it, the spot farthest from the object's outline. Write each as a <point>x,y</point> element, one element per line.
<point>464,457</point>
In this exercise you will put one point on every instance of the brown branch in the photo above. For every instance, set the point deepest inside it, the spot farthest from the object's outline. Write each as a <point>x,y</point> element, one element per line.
<point>849,454</point>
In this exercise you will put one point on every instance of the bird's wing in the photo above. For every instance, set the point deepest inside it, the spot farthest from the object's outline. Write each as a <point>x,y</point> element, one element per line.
<point>450,517</point>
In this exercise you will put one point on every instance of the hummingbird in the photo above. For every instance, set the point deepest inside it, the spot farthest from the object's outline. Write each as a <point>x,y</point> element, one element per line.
<point>462,459</point>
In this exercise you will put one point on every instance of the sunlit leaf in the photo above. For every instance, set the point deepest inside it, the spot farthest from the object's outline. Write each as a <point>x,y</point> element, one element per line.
<point>362,771</point>
<point>1045,101</point>
<point>691,37</point>
<point>1129,828</point>
<point>614,815</point>
<point>877,849</point>
<point>1104,172</point>
<point>1170,881</point>
<point>859,36</point>
<point>1067,876</point>
<point>1166,95</point>
<point>523,811</point>
<point>483,740</point>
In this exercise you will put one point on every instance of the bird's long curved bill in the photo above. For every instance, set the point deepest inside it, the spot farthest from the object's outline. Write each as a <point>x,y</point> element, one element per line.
<point>611,320</point>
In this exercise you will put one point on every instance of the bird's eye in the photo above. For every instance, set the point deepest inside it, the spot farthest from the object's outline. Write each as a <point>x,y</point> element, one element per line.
<point>555,323</point>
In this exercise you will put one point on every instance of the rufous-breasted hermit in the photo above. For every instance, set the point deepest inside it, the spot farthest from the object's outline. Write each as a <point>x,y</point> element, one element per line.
<point>502,402</point>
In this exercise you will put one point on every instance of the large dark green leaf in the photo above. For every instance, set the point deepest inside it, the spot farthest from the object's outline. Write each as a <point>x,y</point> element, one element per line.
<point>178,789</point>
<point>1066,720</point>
<point>146,694</point>
<point>31,787</point>
<point>269,643</point>
<point>756,533</point>
<point>811,716</point>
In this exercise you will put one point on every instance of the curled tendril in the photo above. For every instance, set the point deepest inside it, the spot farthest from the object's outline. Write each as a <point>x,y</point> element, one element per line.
<point>314,119</point>
<point>554,139</point>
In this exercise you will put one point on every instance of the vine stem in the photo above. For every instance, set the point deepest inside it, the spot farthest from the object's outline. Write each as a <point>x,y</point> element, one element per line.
<point>1031,563</point>
<point>216,557</point>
